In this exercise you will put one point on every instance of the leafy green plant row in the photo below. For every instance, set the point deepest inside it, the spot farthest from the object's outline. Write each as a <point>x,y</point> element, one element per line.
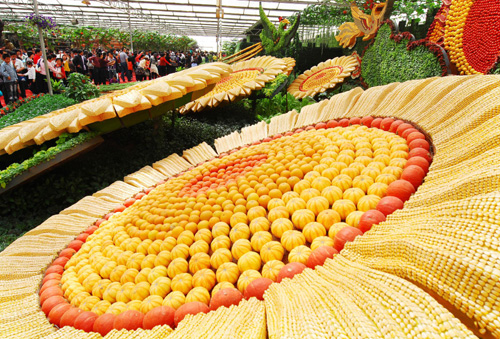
<point>272,86</point>
<point>115,87</point>
<point>15,105</point>
<point>267,108</point>
<point>65,142</point>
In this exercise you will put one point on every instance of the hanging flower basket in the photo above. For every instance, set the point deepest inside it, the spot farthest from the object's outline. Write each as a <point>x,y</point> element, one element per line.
<point>44,22</point>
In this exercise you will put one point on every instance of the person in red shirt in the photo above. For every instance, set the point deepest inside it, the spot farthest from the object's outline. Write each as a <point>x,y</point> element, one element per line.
<point>37,56</point>
<point>60,73</point>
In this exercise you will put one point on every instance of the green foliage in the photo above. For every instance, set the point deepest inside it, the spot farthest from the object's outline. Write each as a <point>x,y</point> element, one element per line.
<point>387,61</point>
<point>57,86</point>
<point>36,107</point>
<point>229,47</point>
<point>268,108</point>
<point>115,87</point>
<point>66,141</point>
<point>413,9</point>
<point>272,86</point>
<point>497,70</point>
<point>80,88</point>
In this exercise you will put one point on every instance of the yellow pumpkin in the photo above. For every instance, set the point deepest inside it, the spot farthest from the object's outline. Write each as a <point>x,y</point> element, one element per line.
<point>379,189</point>
<point>203,234</point>
<point>143,275</point>
<point>332,194</point>
<point>320,183</point>
<point>100,287</point>
<point>186,238</point>
<point>240,247</point>
<point>352,172</point>
<point>124,257</point>
<point>368,202</point>
<point>327,218</point>
<point>343,207</point>
<point>111,291</point>
<point>219,257</point>
<point>249,261</point>
<point>200,294</point>
<point>182,282</point>
<point>384,158</point>
<point>394,170</point>
<point>295,204</point>
<point>151,302</point>
<point>155,247</point>
<point>398,162</point>
<point>346,159</point>
<point>117,308</point>
<point>381,148</point>
<point>140,291</point>
<point>106,270</point>
<point>259,224</point>
<point>158,271</point>
<point>228,271</point>
<point>239,231</point>
<point>364,151</point>
<point>362,182</point>
<point>91,280</point>
<point>372,172</point>
<point>275,202</point>
<point>363,160</point>
<point>309,193</point>
<point>198,262</point>
<point>177,266</point>
<point>335,228</point>
<point>115,275</point>
<point>221,286</point>
<point>278,212</point>
<point>377,165</point>
<point>129,275</point>
<point>313,230</point>
<point>289,196</point>
<point>321,241</point>
<point>204,278</point>
<point>342,181</point>
<point>222,241</point>
<point>330,173</point>
<point>101,307</point>
<point>238,217</point>
<point>259,239</point>
<point>301,186</point>
<point>180,251</point>
<point>338,165</point>
<point>143,246</point>
<point>310,176</point>
<point>399,154</point>
<point>174,299</point>
<point>160,287</point>
<point>292,239</point>
<point>246,278</point>
<point>353,218</point>
<point>299,254</point>
<point>271,269</point>
<point>386,178</point>
<point>149,261</point>
<point>317,204</point>
<point>302,217</point>
<point>281,225</point>
<point>134,305</point>
<point>199,246</point>
<point>353,194</point>
<point>220,228</point>
<point>88,303</point>
<point>256,212</point>
<point>168,244</point>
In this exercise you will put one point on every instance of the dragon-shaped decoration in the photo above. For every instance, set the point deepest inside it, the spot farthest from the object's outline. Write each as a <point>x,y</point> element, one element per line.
<point>364,25</point>
<point>275,39</point>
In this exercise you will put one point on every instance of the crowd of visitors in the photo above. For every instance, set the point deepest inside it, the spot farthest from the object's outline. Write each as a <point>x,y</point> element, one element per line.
<point>22,70</point>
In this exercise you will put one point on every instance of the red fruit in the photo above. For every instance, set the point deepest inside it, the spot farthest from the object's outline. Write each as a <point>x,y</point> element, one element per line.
<point>82,237</point>
<point>321,125</point>
<point>370,218</point>
<point>67,252</point>
<point>344,122</point>
<point>395,125</point>
<point>355,121</point>
<point>107,216</point>
<point>76,245</point>
<point>414,136</point>
<point>401,189</point>
<point>308,128</point>
<point>49,283</point>
<point>55,269</point>
<point>414,175</point>
<point>104,323</point>
<point>403,127</point>
<point>193,307</point>
<point>148,190</point>
<point>367,121</point>
<point>163,315</point>
<point>332,124</point>
<point>346,234</point>
<point>129,320</point>
<point>277,136</point>
<point>129,202</point>
<point>91,229</point>
<point>345,12</point>
<point>418,161</point>
<point>386,123</point>
<point>50,292</point>
<point>51,276</point>
<point>257,288</point>
<point>69,317</point>
<point>99,222</point>
<point>289,270</point>
<point>420,152</point>
<point>289,133</point>
<point>57,312</point>
<point>319,255</point>
<point>120,208</point>
<point>408,131</point>
<point>139,196</point>
<point>226,297</point>
<point>85,321</point>
<point>52,301</point>
<point>376,122</point>
<point>256,143</point>
<point>299,130</point>
<point>266,139</point>
<point>419,143</point>
<point>388,205</point>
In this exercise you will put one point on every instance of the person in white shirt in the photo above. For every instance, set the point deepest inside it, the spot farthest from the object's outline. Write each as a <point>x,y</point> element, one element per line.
<point>31,75</point>
<point>21,74</point>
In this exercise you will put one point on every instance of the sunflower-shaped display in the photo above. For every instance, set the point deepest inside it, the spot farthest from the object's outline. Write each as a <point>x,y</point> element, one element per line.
<point>322,77</point>
<point>246,77</point>
<point>290,64</point>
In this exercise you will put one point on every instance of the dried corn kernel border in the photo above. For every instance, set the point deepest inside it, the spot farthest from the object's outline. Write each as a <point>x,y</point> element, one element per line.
<point>444,240</point>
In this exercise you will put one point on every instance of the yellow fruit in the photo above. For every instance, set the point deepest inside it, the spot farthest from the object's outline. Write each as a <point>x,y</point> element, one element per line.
<point>221,286</point>
<point>163,258</point>
<point>368,202</point>
<point>174,299</point>
<point>385,178</point>
<point>151,302</point>
<point>228,272</point>
<point>343,207</point>
<point>237,218</point>
<point>168,244</point>
<point>177,266</point>
<point>353,194</point>
<point>327,218</point>
<point>302,217</point>
<point>249,261</point>
<point>203,234</point>
<point>182,282</point>
<point>204,278</point>
<point>100,287</point>
<point>246,278</point>
<point>281,225</point>
<point>200,294</point>
<point>259,239</point>
<point>259,224</point>
<point>239,231</point>
<point>199,246</point>
<point>272,250</point>
<point>299,254</point>
<point>143,275</point>
<point>309,193</point>
<point>180,251</point>
<point>321,241</point>
<point>186,238</point>
<point>273,203</point>
<point>278,212</point>
<point>101,307</point>
<point>332,194</point>
<point>135,261</point>
<point>317,204</point>
<point>160,287</point>
<point>342,181</point>
<point>292,239</point>
<point>140,291</point>
<point>221,241</point>
<point>289,196</point>
<point>335,228</point>
<point>88,303</point>
<point>111,291</point>
<point>313,230</point>
<point>240,247</point>
<point>115,275</point>
<point>353,218</point>
<point>117,308</point>
<point>219,257</point>
<point>271,269</point>
<point>220,228</point>
<point>379,189</point>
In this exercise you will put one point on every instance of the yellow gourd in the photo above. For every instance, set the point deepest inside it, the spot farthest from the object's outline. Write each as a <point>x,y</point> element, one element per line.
<point>246,278</point>
<point>186,238</point>
<point>111,291</point>
<point>272,250</point>
<point>116,274</point>
<point>302,217</point>
<point>379,189</point>
<point>221,286</point>
<point>168,244</point>
<point>221,241</point>
<point>368,202</point>
<point>353,218</point>
<point>198,262</point>
<point>182,282</point>
<point>278,212</point>
<point>151,302</point>
<point>259,224</point>
<point>163,258</point>
<point>204,234</point>
<point>143,275</point>
<point>292,239</point>
<point>271,269</point>
<point>332,194</point>
<point>117,308</point>
<point>174,299</point>
<point>313,230</point>
<point>335,228</point>
<point>229,272</point>
<point>200,294</point>
<point>299,254</point>
<point>240,247</point>
<point>219,257</point>
<point>180,251</point>
<point>259,239</point>
<point>101,307</point>
<point>354,194</point>
<point>281,225</point>
<point>317,204</point>
<point>220,228</point>
<point>239,231</point>
<point>199,246</point>
<point>343,207</point>
<point>256,212</point>
<point>204,278</point>
<point>249,261</point>
<point>160,287</point>
<point>177,266</point>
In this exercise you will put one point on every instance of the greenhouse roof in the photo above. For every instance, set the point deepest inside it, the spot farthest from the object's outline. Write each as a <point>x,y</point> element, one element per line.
<point>181,17</point>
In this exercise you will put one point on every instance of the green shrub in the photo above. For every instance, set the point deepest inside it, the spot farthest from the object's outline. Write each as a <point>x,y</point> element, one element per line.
<point>387,61</point>
<point>80,88</point>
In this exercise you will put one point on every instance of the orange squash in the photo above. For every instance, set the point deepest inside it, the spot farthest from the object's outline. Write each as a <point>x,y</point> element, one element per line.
<point>226,297</point>
<point>129,320</point>
<point>257,288</point>
<point>246,278</point>
<point>158,316</point>
<point>290,270</point>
